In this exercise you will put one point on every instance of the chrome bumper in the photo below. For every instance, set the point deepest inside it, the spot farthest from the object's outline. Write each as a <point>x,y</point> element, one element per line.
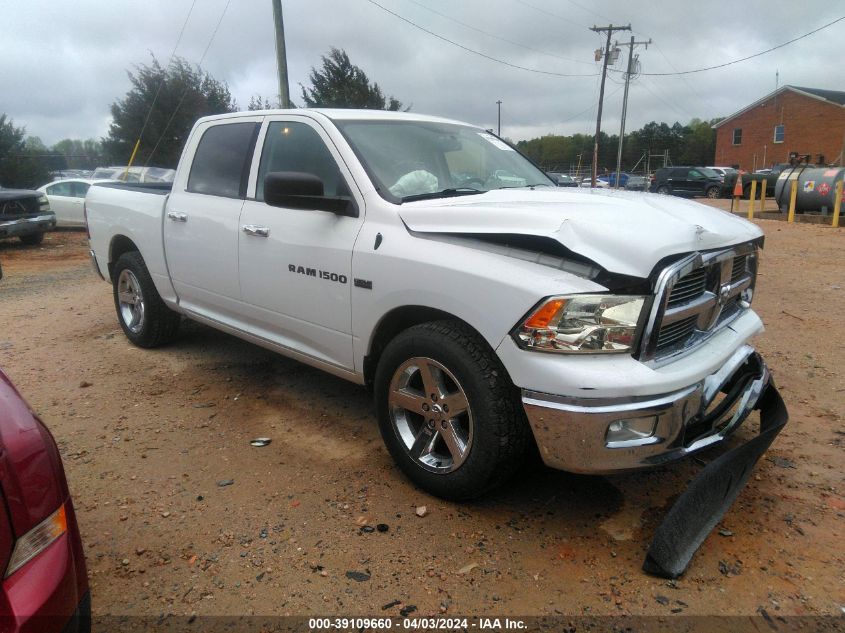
<point>25,226</point>
<point>572,433</point>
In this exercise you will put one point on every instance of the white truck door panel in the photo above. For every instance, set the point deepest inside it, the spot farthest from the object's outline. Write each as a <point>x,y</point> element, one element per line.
<point>201,224</point>
<point>295,264</point>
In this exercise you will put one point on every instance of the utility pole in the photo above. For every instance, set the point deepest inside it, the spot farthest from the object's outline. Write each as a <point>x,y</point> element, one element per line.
<point>598,29</point>
<point>499,103</point>
<point>281,55</point>
<point>631,60</point>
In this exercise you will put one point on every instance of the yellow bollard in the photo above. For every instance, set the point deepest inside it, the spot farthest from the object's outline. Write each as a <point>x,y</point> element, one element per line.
<point>763,186</point>
<point>751,199</point>
<point>837,205</point>
<point>793,196</point>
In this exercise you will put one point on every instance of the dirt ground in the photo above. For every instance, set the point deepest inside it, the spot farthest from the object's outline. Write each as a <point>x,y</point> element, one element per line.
<point>149,436</point>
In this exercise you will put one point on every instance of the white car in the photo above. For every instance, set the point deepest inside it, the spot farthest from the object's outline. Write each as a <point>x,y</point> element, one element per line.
<point>67,198</point>
<point>135,174</point>
<point>723,171</point>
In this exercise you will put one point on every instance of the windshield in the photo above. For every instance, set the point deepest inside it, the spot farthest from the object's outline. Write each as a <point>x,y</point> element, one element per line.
<point>412,160</point>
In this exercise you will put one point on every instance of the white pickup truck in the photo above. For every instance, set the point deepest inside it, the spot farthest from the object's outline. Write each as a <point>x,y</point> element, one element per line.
<point>487,308</point>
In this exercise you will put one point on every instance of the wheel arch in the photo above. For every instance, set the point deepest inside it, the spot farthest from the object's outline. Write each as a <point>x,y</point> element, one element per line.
<point>119,245</point>
<point>397,320</point>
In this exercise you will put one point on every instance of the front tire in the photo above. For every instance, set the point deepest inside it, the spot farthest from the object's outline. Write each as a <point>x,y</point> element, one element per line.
<point>712,192</point>
<point>448,412</point>
<point>145,319</point>
<point>664,189</point>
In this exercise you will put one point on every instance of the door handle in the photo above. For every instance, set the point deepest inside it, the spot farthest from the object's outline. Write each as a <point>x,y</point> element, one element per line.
<point>254,229</point>
<point>177,217</point>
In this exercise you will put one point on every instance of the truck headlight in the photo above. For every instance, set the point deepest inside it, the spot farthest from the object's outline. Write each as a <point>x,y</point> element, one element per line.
<point>582,324</point>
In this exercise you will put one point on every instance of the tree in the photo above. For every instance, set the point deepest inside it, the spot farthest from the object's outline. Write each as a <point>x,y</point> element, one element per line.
<point>257,102</point>
<point>173,98</point>
<point>341,84</point>
<point>20,166</point>
<point>79,154</point>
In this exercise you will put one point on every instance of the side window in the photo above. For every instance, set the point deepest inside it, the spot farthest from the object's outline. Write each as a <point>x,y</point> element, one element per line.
<point>737,137</point>
<point>297,147</point>
<point>694,173</point>
<point>59,189</point>
<point>779,131</point>
<point>221,162</point>
<point>79,189</point>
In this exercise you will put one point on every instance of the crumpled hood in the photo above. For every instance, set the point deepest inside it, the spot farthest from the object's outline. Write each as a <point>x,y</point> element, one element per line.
<point>624,232</point>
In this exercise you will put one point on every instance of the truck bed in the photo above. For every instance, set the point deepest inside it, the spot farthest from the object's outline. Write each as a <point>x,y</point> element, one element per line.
<point>132,211</point>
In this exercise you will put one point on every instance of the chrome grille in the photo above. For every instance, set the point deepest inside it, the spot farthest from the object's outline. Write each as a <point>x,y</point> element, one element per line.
<point>688,287</point>
<point>696,297</point>
<point>675,333</point>
<point>739,267</point>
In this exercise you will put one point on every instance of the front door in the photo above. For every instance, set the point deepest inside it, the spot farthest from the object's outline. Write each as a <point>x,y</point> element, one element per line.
<point>296,264</point>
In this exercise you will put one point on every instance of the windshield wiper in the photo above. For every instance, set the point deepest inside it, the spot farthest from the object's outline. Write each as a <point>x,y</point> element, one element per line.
<point>445,193</point>
<point>536,184</point>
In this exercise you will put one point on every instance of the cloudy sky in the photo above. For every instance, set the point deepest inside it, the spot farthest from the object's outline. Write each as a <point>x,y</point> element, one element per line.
<point>63,63</point>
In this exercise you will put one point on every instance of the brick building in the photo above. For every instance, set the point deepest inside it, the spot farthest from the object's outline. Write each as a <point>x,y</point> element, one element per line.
<point>791,119</point>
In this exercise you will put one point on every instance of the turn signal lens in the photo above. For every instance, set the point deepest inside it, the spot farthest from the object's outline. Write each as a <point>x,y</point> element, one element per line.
<point>546,312</point>
<point>37,540</point>
<point>582,324</point>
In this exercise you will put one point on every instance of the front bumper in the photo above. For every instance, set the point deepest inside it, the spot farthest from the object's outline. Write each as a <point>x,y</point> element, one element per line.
<point>28,226</point>
<point>572,433</point>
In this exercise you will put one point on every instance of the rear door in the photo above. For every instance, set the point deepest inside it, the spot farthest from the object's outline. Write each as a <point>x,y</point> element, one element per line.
<point>296,264</point>
<point>201,217</point>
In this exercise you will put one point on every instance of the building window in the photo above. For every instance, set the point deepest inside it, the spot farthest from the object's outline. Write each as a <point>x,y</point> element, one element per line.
<point>737,136</point>
<point>779,133</point>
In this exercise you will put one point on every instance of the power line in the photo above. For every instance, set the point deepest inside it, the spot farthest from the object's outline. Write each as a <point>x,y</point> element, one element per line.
<point>185,92</point>
<point>736,61</point>
<point>550,13</point>
<point>603,17</point>
<point>502,39</point>
<point>161,83</point>
<point>475,52</point>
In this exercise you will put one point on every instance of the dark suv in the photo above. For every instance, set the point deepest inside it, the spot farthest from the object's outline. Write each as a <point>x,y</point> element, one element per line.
<point>687,181</point>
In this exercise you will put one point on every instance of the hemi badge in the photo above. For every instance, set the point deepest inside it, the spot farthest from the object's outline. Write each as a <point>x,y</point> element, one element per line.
<point>363,283</point>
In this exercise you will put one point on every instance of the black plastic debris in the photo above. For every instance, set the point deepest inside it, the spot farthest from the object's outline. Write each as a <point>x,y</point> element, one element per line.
<point>358,576</point>
<point>711,494</point>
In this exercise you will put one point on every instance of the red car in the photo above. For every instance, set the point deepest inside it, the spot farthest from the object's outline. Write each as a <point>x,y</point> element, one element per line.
<point>44,579</point>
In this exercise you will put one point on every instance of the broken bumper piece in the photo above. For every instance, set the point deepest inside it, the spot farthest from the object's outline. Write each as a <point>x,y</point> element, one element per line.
<point>708,498</point>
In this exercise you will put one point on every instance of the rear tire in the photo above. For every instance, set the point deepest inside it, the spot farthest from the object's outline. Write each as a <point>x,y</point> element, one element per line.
<point>664,189</point>
<point>459,453</point>
<point>33,239</point>
<point>145,319</point>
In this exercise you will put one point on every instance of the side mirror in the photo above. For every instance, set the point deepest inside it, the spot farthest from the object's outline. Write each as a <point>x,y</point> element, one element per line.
<point>300,190</point>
